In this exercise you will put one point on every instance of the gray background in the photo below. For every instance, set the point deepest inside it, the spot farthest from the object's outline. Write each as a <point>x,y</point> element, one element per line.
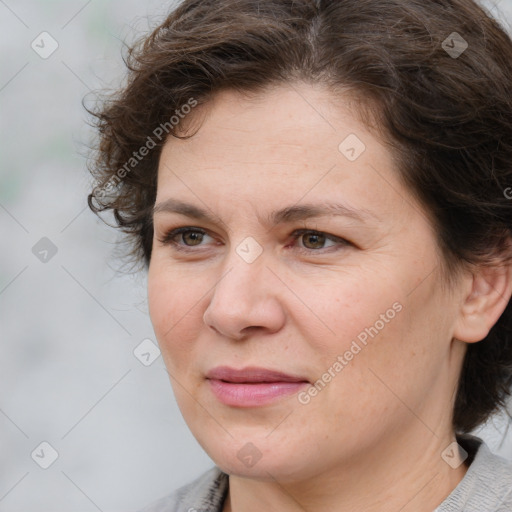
<point>69,325</point>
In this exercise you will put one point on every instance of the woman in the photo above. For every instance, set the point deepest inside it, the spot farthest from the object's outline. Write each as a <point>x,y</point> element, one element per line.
<point>319,193</point>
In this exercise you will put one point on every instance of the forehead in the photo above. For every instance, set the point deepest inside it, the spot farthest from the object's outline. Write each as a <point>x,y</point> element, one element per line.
<point>299,115</point>
<point>287,144</point>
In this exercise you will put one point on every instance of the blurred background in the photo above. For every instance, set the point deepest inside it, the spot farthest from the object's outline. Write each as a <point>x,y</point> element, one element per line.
<point>88,420</point>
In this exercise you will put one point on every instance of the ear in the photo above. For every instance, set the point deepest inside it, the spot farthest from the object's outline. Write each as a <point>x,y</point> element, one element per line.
<point>487,294</point>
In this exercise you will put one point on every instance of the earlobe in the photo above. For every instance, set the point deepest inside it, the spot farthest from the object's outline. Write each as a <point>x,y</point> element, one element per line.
<point>490,289</point>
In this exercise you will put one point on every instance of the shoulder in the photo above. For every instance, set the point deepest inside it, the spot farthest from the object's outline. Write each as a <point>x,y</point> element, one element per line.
<point>205,494</point>
<point>487,484</point>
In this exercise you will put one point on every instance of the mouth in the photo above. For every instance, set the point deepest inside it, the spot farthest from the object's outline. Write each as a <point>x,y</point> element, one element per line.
<point>251,374</point>
<point>252,386</point>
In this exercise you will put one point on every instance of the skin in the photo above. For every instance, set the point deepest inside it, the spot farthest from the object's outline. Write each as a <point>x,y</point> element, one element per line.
<point>372,438</point>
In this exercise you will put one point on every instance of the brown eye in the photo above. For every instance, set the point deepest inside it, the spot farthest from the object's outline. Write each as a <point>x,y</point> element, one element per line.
<point>313,240</point>
<point>194,237</point>
<point>183,237</point>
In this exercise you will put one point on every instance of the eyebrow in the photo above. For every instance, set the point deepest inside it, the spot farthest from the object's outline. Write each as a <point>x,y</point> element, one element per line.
<point>288,214</point>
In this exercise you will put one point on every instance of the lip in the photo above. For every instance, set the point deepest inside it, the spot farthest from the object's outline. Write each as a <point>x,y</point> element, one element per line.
<point>251,374</point>
<point>252,386</point>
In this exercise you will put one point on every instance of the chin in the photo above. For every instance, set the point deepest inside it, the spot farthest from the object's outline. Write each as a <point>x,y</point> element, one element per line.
<point>259,460</point>
<point>264,471</point>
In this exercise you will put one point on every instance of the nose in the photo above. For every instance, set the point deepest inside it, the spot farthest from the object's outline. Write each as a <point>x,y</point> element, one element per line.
<point>245,300</point>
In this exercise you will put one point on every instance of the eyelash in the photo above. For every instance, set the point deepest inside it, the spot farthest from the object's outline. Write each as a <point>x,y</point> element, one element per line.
<point>169,236</point>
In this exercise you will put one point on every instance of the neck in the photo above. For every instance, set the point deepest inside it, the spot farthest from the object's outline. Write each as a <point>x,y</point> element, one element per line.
<point>407,474</point>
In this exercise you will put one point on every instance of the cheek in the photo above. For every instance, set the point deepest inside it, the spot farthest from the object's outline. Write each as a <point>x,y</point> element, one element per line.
<point>391,354</point>
<point>347,308</point>
<point>174,306</point>
<point>364,324</point>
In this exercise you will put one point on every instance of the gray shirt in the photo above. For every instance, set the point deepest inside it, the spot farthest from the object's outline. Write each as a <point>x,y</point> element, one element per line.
<point>486,487</point>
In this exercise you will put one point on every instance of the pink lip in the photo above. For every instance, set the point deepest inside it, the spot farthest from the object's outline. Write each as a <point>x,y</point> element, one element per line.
<point>252,386</point>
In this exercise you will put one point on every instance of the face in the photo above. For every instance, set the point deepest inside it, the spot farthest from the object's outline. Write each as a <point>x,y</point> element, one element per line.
<point>300,252</point>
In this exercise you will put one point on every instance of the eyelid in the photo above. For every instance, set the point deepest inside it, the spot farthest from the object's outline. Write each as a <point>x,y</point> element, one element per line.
<point>298,232</point>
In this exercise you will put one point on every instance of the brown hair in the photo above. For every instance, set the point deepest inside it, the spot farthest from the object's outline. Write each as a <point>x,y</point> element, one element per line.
<point>445,109</point>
